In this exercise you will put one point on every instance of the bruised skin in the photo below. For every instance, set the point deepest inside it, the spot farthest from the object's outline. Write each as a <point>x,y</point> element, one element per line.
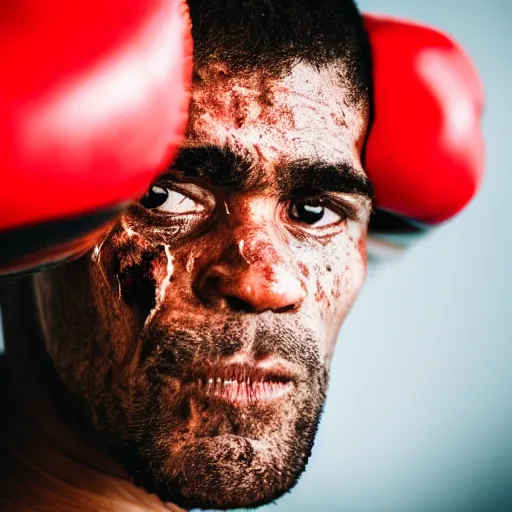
<point>168,300</point>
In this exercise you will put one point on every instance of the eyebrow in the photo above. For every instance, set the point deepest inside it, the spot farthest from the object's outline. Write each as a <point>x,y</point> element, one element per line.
<point>309,177</point>
<point>223,167</point>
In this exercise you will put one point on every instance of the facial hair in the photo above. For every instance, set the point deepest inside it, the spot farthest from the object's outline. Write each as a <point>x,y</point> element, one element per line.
<point>198,452</point>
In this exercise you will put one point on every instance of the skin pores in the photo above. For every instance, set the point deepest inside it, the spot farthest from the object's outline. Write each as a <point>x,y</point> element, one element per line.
<point>196,337</point>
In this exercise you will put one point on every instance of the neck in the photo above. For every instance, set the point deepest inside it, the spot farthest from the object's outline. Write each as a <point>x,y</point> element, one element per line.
<point>45,463</point>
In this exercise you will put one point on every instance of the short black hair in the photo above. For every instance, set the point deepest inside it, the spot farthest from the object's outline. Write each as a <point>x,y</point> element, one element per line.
<point>273,34</point>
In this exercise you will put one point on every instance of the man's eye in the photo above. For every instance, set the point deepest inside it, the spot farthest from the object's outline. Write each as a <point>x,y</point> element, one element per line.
<point>170,201</point>
<point>313,214</point>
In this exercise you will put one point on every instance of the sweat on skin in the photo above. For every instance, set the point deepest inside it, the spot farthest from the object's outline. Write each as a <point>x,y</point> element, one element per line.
<point>203,324</point>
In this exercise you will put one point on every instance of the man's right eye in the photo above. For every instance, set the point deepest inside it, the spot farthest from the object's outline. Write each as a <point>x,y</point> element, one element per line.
<point>170,201</point>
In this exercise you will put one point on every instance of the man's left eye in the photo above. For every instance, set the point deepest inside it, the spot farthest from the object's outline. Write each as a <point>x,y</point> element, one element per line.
<point>313,214</point>
<point>170,201</point>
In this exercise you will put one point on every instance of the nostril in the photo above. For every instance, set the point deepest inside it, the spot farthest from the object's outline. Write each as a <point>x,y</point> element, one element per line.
<point>285,309</point>
<point>237,304</point>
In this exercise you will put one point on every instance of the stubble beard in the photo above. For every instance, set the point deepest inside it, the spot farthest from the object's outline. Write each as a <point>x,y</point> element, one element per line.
<point>201,452</point>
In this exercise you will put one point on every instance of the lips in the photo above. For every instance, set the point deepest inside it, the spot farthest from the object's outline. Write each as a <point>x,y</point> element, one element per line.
<point>240,392</point>
<point>243,383</point>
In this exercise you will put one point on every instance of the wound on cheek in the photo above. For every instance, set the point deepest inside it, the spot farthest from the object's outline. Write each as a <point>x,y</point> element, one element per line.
<point>144,279</point>
<point>134,265</point>
<point>162,277</point>
<point>137,283</point>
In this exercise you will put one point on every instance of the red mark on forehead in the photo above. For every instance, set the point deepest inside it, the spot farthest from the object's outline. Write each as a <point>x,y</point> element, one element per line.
<point>236,99</point>
<point>301,114</point>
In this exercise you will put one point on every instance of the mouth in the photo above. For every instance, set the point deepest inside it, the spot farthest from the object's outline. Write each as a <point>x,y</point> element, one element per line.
<point>240,384</point>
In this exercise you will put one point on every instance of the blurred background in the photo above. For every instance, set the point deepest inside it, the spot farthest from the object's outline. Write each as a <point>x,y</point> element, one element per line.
<point>419,413</point>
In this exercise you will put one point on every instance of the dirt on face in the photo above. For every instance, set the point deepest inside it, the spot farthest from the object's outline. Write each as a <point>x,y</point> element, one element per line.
<point>197,335</point>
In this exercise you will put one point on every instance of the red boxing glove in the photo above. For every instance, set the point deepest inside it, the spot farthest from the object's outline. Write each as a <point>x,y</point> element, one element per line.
<point>425,151</point>
<point>93,104</point>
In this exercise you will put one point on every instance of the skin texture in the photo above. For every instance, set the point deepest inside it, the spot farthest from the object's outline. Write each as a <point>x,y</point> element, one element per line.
<point>221,276</point>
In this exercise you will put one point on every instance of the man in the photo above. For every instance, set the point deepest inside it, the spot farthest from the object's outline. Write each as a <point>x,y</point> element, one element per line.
<point>189,352</point>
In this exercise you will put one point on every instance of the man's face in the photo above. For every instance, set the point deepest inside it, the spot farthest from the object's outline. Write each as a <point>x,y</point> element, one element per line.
<point>197,335</point>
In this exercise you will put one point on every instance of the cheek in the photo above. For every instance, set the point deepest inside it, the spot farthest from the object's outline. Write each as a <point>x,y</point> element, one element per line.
<point>336,282</point>
<point>93,312</point>
<point>79,316</point>
<point>132,271</point>
<point>143,267</point>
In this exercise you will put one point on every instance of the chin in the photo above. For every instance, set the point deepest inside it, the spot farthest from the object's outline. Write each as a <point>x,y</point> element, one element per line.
<point>207,452</point>
<point>230,472</point>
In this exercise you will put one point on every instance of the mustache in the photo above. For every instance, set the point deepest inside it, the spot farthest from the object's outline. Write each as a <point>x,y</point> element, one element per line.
<point>175,348</point>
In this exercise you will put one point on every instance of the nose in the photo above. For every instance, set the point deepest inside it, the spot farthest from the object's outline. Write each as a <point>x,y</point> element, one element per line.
<point>252,276</point>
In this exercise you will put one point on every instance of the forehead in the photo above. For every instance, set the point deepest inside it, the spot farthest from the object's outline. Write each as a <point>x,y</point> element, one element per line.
<point>304,114</point>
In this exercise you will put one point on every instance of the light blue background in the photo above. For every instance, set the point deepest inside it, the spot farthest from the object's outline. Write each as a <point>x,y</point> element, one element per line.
<point>419,414</point>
